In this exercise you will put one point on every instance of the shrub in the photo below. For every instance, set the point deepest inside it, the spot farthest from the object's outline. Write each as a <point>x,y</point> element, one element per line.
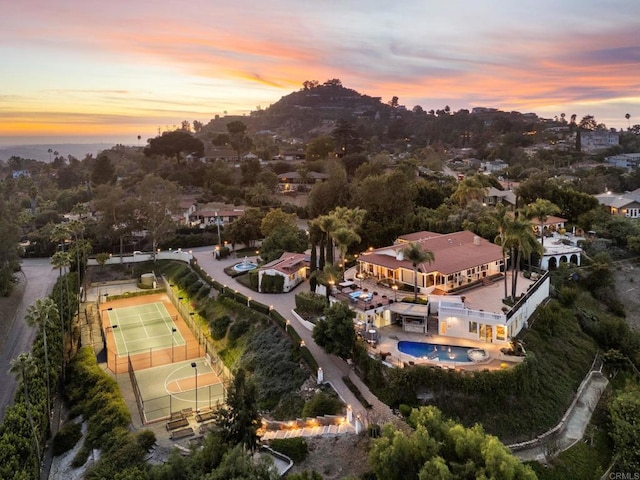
<point>294,448</point>
<point>322,404</point>
<point>237,329</point>
<point>310,302</point>
<point>66,438</point>
<point>219,326</point>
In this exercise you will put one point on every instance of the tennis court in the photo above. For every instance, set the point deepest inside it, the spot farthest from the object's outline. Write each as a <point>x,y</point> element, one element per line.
<point>143,326</point>
<point>144,332</point>
<point>172,388</point>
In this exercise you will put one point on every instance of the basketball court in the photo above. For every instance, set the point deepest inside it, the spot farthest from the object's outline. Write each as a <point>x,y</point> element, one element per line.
<point>146,337</point>
<point>177,387</point>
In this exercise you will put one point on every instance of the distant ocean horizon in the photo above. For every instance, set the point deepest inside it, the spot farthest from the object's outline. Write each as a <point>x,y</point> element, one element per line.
<point>39,150</point>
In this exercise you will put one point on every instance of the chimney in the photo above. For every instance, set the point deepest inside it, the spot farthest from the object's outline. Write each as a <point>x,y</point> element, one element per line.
<point>476,240</point>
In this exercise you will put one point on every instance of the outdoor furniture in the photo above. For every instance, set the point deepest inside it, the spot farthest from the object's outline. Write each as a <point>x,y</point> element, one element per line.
<point>175,424</point>
<point>203,417</point>
<point>182,433</point>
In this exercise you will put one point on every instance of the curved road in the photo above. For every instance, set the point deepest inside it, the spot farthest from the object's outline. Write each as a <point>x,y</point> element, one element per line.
<point>334,368</point>
<point>39,280</point>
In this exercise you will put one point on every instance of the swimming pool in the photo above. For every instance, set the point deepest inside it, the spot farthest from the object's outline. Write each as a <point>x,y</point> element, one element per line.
<point>431,351</point>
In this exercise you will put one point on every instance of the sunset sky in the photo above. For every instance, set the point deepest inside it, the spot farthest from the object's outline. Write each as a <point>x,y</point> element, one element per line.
<point>94,70</point>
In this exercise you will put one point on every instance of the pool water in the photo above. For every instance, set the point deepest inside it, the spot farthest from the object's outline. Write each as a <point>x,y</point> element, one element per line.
<point>444,353</point>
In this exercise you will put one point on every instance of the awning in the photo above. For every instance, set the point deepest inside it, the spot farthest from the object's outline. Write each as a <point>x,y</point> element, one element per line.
<point>410,309</point>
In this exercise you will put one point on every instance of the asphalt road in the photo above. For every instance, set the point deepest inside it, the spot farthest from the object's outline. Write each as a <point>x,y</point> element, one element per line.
<point>40,278</point>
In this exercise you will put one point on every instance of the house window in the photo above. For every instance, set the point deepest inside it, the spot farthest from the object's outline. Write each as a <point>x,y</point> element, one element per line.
<point>473,327</point>
<point>500,332</point>
<point>632,212</point>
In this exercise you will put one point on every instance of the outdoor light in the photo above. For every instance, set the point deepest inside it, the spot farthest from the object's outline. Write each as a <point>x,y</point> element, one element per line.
<point>395,293</point>
<point>173,330</point>
<point>302,344</point>
<point>195,366</point>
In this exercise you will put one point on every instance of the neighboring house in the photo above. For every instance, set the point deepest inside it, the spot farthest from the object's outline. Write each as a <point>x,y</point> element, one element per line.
<point>550,225</point>
<point>592,141</point>
<point>209,215</point>
<point>493,196</point>
<point>560,249</point>
<point>293,267</point>
<point>293,181</point>
<point>624,160</point>
<point>291,156</point>
<point>186,207</point>
<point>492,166</point>
<point>20,173</point>
<point>625,204</point>
<point>459,258</point>
<point>223,154</point>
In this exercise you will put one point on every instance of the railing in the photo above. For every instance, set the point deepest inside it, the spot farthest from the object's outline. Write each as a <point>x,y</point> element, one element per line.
<point>528,294</point>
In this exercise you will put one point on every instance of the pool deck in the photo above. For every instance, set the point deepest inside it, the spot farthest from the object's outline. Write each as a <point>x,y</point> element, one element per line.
<point>391,335</point>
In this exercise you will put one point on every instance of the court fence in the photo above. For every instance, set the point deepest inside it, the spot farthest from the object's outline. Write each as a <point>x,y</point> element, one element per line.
<point>152,357</point>
<point>203,338</point>
<point>205,398</point>
<point>161,408</point>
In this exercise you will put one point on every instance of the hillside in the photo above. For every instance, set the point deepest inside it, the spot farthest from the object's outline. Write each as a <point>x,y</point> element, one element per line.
<point>310,109</point>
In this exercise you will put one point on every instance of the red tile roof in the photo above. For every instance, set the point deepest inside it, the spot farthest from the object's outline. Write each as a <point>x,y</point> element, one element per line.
<point>287,263</point>
<point>453,252</point>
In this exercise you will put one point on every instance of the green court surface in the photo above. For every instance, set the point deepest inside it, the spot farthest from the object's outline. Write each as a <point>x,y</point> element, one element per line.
<point>171,388</point>
<point>143,327</point>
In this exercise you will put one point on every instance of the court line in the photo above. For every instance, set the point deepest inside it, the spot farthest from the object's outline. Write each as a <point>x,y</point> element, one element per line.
<point>162,315</point>
<point>143,327</point>
<point>124,342</point>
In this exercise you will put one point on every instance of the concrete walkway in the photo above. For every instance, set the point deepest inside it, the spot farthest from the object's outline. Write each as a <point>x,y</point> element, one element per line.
<point>575,420</point>
<point>334,368</point>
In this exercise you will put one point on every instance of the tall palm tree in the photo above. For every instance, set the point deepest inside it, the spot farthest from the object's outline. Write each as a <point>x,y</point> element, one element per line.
<point>501,218</point>
<point>315,237</point>
<point>328,224</point>
<point>541,209</point>
<point>23,367</point>
<point>627,116</point>
<point>416,255</point>
<point>42,314</point>
<point>521,239</point>
<point>61,260</point>
<point>344,237</point>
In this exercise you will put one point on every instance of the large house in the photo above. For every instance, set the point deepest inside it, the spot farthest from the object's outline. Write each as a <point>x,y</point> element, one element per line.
<point>459,259</point>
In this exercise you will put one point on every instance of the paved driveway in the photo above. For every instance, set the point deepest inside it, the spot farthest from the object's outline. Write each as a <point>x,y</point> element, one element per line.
<point>334,368</point>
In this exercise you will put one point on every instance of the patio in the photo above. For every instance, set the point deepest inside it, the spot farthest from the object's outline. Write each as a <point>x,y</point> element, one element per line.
<point>388,338</point>
<point>365,293</point>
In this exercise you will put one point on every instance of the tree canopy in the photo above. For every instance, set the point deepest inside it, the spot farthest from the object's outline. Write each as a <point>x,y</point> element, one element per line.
<point>175,144</point>
<point>442,449</point>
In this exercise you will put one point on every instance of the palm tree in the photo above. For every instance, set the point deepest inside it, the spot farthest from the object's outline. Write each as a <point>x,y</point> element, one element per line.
<point>328,224</point>
<point>542,209</point>
<point>344,237</point>
<point>315,237</point>
<point>627,116</point>
<point>42,314</point>
<point>416,255</point>
<point>501,218</point>
<point>471,188</point>
<point>61,260</point>
<point>522,241</point>
<point>23,367</point>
